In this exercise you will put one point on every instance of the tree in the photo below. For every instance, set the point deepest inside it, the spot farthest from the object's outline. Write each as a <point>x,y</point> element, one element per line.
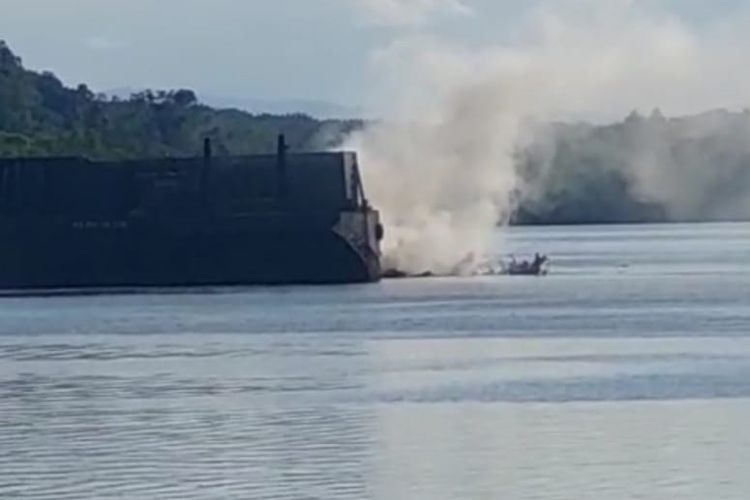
<point>184,98</point>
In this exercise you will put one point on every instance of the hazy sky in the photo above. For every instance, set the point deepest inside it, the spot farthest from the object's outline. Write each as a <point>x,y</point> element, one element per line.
<point>266,49</point>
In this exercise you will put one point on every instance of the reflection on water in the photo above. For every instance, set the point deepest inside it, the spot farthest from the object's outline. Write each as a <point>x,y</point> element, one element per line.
<point>625,374</point>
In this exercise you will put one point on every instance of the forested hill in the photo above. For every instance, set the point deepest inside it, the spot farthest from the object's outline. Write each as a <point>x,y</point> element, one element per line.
<point>39,116</point>
<point>694,168</point>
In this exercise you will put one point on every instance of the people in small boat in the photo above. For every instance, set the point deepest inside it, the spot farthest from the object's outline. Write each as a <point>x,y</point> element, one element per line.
<point>525,266</point>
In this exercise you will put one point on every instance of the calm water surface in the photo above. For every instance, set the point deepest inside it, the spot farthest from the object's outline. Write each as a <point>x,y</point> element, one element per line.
<point>623,375</point>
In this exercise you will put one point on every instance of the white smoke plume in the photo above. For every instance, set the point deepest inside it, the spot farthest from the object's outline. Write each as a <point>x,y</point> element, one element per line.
<point>441,168</point>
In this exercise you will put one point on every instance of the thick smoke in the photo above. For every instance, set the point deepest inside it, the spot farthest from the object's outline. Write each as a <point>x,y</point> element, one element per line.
<point>441,167</point>
<point>697,168</point>
<point>441,183</point>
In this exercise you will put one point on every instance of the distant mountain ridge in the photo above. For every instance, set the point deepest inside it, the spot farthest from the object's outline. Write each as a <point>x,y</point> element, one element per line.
<point>314,108</point>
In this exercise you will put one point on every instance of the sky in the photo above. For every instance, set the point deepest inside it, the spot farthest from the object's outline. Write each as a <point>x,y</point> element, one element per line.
<point>264,49</point>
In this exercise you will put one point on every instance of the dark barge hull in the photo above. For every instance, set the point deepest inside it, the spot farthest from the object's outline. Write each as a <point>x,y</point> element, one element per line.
<point>191,238</point>
<point>146,254</point>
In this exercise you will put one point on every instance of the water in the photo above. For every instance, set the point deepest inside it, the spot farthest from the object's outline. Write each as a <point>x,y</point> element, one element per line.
<point>623,375</point>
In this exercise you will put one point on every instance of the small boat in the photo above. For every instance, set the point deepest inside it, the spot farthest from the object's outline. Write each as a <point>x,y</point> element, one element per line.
<point>536,267</point>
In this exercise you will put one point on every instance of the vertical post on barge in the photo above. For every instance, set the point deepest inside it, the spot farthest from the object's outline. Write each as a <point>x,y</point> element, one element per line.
<point>281,168</point>
<point>206,168</point>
